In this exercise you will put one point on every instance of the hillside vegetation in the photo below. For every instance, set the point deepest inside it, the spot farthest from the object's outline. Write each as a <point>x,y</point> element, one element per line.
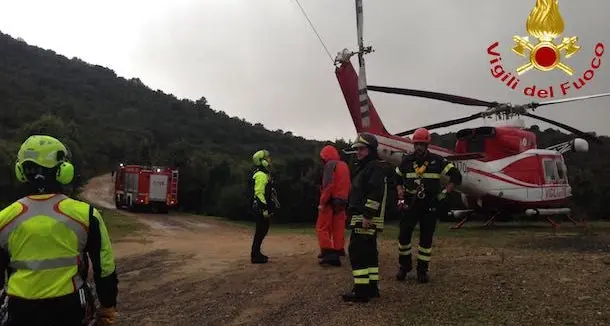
<point>106,119</point>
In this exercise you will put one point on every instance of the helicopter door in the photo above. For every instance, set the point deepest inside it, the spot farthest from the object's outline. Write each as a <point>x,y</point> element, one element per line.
<point>552,178</point>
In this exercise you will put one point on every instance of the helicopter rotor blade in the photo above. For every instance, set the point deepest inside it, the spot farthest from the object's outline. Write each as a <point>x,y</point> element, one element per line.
<point>573,130</point>
<point>444,124</point>
<point>433,95</point>
<point>571,99</point>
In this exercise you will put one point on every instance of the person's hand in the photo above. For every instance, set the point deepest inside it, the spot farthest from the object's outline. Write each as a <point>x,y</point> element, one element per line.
<point>266,214</point>
<point>449,187</point>
<point>106,316</point>
<point>320,207</point>
<point>366,223</point>
<point>400,192</point>
<point>401,205</point>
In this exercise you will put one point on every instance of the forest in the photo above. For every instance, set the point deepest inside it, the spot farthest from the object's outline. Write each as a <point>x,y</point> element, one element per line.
<point>105,119</point>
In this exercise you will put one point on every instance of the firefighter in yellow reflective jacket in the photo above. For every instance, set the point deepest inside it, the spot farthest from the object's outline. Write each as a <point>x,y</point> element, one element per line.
<point>420,189</point>
<point>264,202</point>
<point>45,239</point>
<point>366,211</point>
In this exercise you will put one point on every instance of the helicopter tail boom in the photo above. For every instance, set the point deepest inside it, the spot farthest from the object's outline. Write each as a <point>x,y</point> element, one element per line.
<point>348,81</point>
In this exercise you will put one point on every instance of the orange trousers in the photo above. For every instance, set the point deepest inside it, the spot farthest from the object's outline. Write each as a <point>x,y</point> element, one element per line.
<point>330,228</point>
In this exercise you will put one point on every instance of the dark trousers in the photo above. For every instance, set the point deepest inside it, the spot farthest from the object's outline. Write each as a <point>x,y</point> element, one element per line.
<point>262,228</point>
<point>364,257</point>
<point>427,226</point>
<point>65,311</point>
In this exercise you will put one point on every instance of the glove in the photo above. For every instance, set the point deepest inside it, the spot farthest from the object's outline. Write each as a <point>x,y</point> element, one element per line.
<point>106,316</point>
<point>442,196</point>
<point>266,214</point>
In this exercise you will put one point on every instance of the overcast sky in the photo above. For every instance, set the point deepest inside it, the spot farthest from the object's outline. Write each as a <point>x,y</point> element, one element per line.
<point>260,60</point>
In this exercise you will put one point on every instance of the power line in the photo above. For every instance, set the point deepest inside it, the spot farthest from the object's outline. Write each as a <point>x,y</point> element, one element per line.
<point>315,31</point>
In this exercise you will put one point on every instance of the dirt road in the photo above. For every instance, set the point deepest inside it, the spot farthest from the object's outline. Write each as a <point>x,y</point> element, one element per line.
<point>182,268</point>
<point>192,270</point>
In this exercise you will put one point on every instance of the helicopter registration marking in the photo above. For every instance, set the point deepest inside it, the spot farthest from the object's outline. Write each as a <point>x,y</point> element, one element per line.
<point>555,192</point>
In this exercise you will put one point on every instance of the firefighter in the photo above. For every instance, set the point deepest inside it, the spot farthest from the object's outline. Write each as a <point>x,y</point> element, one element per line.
<point>330,225</point>
<point>46,241</point>
<point>264,202</point>
<point>366,209</point>
<point>422,193</point>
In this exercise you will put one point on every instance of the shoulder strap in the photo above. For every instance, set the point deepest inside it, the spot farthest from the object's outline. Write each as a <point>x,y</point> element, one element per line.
<point>91,217</point>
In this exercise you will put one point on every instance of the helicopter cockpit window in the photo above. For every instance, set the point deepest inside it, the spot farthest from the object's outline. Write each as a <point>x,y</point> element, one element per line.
<point>550,174</point>
<point>560,170</point>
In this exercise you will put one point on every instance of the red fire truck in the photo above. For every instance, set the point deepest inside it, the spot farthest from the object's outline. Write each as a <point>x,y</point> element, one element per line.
<point>146,187</point>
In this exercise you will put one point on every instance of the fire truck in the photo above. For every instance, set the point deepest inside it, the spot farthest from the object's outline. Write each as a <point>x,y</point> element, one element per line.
<point>140,187</point>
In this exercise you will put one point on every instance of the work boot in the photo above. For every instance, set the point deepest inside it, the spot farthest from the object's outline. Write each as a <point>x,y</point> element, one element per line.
<point>340,253</point>
<point>356,296</point>
<point>401,275</point>
<point>258,258</point>
<point>422,277</point>
<point>374,289</point>
<point>330,258</point>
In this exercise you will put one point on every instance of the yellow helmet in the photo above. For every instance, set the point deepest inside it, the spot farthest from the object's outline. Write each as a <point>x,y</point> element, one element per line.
<point>40,152</point>
<point>261,158</point>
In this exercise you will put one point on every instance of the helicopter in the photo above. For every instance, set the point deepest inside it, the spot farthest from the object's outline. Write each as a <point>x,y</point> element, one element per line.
<point>504,172</point>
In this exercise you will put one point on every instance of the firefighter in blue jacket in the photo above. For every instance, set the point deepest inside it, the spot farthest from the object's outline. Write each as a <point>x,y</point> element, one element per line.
<point>366,210</point>
<point>420,188</point>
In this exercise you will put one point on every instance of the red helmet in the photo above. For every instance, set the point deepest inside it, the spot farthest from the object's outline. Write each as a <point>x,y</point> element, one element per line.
<point>422,135</point>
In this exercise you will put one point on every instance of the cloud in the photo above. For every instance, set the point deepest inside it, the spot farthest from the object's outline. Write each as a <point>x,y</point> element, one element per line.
<point>261,61</point>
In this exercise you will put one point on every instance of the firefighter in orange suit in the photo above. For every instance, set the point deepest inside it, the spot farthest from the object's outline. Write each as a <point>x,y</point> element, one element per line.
<point>422,193</point>
<point>330,226</point>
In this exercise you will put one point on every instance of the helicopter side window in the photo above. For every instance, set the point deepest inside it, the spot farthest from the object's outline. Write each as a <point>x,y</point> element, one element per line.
<point>550,173</point>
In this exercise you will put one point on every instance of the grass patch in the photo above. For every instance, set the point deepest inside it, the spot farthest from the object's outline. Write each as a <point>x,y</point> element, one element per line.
<point>504,234</point>
<point>120,226</point>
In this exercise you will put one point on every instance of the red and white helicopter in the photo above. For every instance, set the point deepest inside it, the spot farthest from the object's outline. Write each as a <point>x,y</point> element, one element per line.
<point>504,173</point>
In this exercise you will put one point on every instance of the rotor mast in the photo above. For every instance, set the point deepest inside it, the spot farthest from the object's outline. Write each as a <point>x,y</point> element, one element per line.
<point>365,115</point>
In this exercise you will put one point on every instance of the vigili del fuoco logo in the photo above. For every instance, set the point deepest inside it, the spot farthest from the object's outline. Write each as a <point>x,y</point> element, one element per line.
<point>545,24</point>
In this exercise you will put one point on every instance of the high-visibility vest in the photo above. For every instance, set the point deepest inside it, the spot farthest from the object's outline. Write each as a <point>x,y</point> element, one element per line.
<point>44,236</point>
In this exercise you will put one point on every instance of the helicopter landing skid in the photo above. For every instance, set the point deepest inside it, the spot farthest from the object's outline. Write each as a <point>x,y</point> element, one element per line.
<point>556,225</point>
<point>461,223</point>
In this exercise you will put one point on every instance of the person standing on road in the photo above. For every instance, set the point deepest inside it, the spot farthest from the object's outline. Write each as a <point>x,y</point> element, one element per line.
<point>421,191</point>
<point>264,202</point>
<point>330,225</point>
<point>366,209</point>
<point>46,241</point>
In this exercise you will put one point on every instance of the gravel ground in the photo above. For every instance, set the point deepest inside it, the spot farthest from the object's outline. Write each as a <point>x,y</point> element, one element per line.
<point>186,270</point>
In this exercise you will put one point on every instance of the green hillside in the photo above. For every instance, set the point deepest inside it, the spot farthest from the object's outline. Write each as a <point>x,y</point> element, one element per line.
<point>106,119</point>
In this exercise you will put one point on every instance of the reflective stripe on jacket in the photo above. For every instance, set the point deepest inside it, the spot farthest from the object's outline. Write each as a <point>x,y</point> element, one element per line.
<point>433,168</point>
<point>369,194</point>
